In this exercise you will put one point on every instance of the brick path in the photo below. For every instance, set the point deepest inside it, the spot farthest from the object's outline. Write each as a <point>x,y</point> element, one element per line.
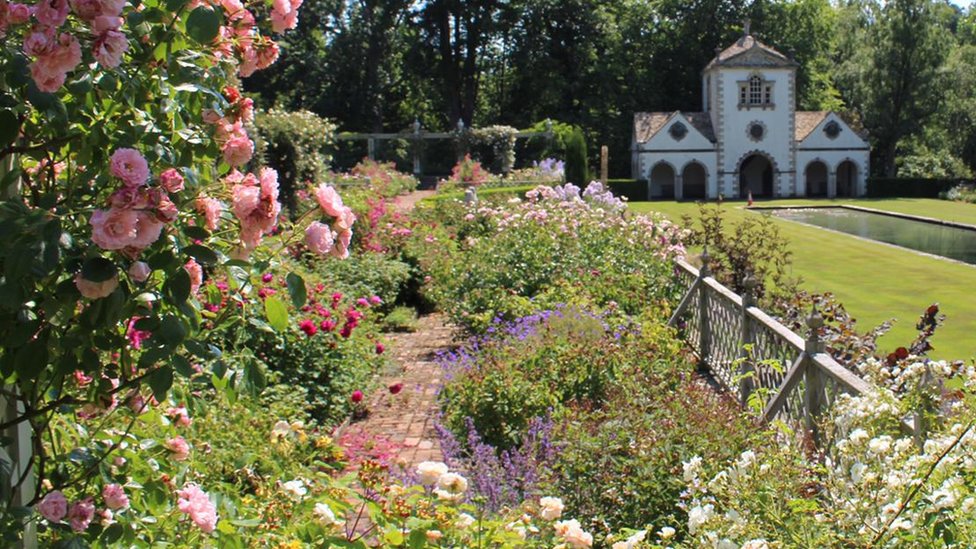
<point>406,202</point>
<point>404,423</point>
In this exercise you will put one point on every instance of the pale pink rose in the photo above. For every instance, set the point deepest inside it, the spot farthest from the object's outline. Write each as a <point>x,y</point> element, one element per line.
<point>139,271</point>
<point>238,151</point>
<point>232,6</point>
<point>53,507</point>
<point>18,14</point>
<point>81,514</point>
<point>129,166</point>
<point>329,200</point>
<point>194,502</point>
<point>257,207</point>
<point>178,447</point>
<point>284,15</point>
<point>114,496</point>
<point>52,65</point>
<point>104,23</point>
<point>148,229</point>
<point>109,47</point>
<point>341,249</point>
<point>319,238</point>
<point>51,13</point>
<point>179,415</point>
<point>196,274</point>
<point>249,61</point>
<point>40,41</point>
<point>241,23</point>
<point>210,209</point>
<point>246,109</point>
<point>267,54</point>
<point>171,180</point>
<point>235,177</point>
<point>115,228</point>
<point>86,9</point>
<point>346,218</point>
<point>165,208</point>
<point>46,80</point>
<point>96,290</point>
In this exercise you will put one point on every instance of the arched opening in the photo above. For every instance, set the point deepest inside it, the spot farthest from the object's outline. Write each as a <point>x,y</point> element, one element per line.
<point>756,175</point>
<point>816,178</point>
<point>693,181</point>
<point>662,181</point>
<point>847,179</point>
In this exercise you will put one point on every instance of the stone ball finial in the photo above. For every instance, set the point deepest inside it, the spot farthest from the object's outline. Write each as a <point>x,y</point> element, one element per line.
<point>750,283</point>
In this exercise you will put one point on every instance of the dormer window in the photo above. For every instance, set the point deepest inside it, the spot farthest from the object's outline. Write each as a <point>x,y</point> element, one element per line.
<point>756,92</point>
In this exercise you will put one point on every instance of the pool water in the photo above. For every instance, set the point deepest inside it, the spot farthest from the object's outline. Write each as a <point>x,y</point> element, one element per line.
<point>951,242</point>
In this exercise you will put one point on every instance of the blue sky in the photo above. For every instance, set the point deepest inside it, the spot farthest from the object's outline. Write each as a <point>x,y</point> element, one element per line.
<point>963,3</point>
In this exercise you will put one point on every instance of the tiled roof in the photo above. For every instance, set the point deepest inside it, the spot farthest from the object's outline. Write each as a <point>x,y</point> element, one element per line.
<point>806,122</point>
<point>647,124</point>
<point>734,55</point>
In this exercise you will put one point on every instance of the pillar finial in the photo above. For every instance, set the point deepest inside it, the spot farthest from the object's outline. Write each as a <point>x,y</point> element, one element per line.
<point>746,27</point>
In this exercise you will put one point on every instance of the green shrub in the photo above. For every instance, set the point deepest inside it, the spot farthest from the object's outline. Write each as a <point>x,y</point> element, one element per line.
<point>365,275</point>
<point>401,319</point>
<point>882,187</point>
<point>577,163</point>
<point>296,145</point>
<point>634,190</point>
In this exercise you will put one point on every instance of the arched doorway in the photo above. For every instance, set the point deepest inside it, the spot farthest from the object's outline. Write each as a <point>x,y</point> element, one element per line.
<point>662,181</point>
<point>816,178</point>
<point>756,175</point>
<point>694,181</point>
<point>847,179</point>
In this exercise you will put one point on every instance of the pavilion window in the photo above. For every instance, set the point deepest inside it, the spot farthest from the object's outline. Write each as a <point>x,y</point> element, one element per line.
<point>755,90</point>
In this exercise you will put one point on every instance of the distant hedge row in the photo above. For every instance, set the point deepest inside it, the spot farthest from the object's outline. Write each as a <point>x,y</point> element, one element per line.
<point>908,187</point>
<point>634,189</point>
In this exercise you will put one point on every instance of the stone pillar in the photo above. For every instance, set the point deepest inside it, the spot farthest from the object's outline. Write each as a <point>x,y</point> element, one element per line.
<point>831,184</point>
<point>679,187</point>
<point>604,164</point>
<point>371,148</point>
<point>417,170</point>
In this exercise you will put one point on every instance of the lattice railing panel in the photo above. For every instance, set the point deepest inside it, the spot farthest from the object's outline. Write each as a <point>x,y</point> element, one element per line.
<point>725,324</point>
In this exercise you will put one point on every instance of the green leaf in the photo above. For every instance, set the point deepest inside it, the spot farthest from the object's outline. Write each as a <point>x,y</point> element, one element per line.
<point>277,313</point>
<point>203,24</point>
<point>183,366</point>
<point>196,233</point>
<point>9,127</point>
<point>160,382</point>
<point>296,289</point>
<point>98,269</point>
<point>202,254</point>
<point>177,287</point>
<point>113,533</point>
<point>171,330</point>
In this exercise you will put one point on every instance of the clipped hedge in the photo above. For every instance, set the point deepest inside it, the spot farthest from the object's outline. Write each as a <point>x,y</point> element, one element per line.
<point>909,187</point>
<point>296,144</point>
<point>635,190</point>
<point>495,192</point>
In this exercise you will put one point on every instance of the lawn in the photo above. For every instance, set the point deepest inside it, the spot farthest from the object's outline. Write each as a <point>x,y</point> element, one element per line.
<point>877,282</point>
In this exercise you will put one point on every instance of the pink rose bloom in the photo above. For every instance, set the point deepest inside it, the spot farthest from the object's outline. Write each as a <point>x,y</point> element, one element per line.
<point>96,290</point>
<point>51,13</point>
<point>196,275</point>
<point>18,14</point>
<point>267,54</point>
<point>148,229</point>
<point>232,6</point>
<point>329,200</point>
<point>341,249</point>
<point>247,109</point>
<point>104,23</point>
<point>284,14</point>
<point>53,507</point>
<point>109,47</point>
<point>318,238</point>
<point>81,514</point>
<point>87,10</point>
<point>130,166</point>
<point>194,502</point>
<point>139,271</point>
<point>115,228</point>
<point>257,207</point>
<point>346,218</point>
<point>171,180</point>
<point>179,415</point>
<point>114,496</point>
<point>52,65</point>
<point>179,448</point>
<point>249,60</point>
<point>238,151</point>
<point>165,208</point>
<point>210,209</point>
<point>40,42</point>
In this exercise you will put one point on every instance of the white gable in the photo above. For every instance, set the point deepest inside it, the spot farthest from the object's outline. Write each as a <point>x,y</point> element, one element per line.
<point>667,139</point>
<point>820,137</point>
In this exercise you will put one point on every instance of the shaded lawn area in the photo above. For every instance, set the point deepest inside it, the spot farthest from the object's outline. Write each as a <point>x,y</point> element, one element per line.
<point>876,282</point>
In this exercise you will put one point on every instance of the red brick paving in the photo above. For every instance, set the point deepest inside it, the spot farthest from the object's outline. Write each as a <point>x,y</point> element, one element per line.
<point>407,419</point>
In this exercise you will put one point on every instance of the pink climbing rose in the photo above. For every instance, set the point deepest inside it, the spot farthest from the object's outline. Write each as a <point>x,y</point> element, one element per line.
<point>171,180</point>
<point>55,58</point>
<point>256,206</point>
<point>319,238</point>
<point>114,496</point>
<point>238,150</point>
<point>81,514</point>
<point>194,502</point>
<point>329,200</point>
<point>129,166</point>
<point>109,48</point>
<point>284,14</point>
<point>210,209</point>
<point>196,275</point>
<point>53,507</point>
<point>178,447</point>
<point>139,271</point>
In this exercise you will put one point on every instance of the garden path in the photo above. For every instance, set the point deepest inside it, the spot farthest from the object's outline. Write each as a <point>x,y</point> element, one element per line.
<point>405,203</point>
<point>400,427</point>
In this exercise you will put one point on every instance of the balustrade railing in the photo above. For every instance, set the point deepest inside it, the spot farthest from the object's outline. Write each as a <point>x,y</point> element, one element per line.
<point>751,353</point>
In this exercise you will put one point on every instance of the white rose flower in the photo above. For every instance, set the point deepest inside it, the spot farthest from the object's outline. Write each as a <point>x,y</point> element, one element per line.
<point>452,483</point>
<point>551,508</point>
<point>464,521</point>
<point>666,532</point>
<point>756,544</point>
<point>324,514</point>
<point>295,489</point>
<point>430,471</point>
<point>698,516</point>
